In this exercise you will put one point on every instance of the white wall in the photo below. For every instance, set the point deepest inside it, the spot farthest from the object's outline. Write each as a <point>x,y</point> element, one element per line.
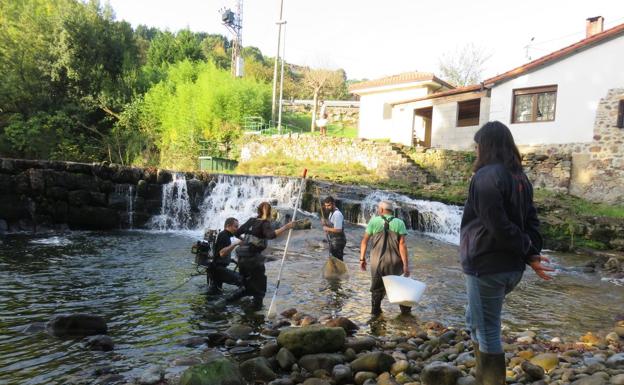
<point>581,79</point>
<point>444,130</point>
<point>372,124</point>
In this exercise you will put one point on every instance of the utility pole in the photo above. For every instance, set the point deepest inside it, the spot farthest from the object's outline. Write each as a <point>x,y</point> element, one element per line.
<point>277,55</point>
<point>281,93</point>
<point>233,21</point>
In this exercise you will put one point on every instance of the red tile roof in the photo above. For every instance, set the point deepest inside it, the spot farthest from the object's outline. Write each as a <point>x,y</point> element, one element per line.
<point>454,91</point>
<point>407,77</point>
<point>559,54</point>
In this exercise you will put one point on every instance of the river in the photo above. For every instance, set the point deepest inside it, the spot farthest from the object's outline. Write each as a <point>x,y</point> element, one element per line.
<point>132,278</point>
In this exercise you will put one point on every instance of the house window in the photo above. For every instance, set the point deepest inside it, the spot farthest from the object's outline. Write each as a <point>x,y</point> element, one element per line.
<point>620,120</point>
<point>468,113</point>
<point>534,104</point>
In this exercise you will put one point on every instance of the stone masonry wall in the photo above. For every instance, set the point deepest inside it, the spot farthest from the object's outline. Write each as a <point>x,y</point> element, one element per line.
<point>348,116</point>
<point>382,157</point>
<point>597,167</point>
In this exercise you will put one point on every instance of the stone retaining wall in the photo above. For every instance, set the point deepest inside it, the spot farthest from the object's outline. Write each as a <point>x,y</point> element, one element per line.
<point>382,157</point>
<point>597,167</point>
<point>50,195</point>
<point>348,116</point>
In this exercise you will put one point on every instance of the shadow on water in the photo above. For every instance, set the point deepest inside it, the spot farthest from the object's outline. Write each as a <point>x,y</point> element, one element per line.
<point>128,278</point>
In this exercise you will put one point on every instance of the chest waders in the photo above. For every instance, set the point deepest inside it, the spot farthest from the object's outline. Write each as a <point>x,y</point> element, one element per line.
<point>385,260</point>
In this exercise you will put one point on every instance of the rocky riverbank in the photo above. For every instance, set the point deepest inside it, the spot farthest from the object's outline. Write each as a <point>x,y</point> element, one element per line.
<point>301,349</point>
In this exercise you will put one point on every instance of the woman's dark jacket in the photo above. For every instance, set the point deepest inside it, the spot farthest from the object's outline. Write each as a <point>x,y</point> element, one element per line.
<point>260,228</point>
<point>499,228</point>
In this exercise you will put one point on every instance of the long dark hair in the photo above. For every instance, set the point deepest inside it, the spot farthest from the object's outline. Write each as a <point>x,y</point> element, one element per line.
<point>496,145</point>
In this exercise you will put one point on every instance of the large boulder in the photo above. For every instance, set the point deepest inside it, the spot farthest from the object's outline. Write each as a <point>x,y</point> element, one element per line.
<point>312,339</point>
<point>440,373</point>
<point>377,362</point>
<point>220,371</point>
<point>76,325</point>
<point>257,369</point>
<point>326,361</point>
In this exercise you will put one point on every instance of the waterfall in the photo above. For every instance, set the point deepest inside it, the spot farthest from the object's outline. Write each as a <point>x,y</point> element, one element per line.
<point>123,197</point>
<point>175,210</point>
<point>435,219</point>
<point>238,197</point>
<point>130,199</point>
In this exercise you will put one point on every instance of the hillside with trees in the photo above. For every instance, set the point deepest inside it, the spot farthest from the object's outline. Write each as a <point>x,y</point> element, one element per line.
<point>80,85</point>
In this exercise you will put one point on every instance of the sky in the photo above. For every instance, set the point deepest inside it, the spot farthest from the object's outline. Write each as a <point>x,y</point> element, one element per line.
<point>371,39</point>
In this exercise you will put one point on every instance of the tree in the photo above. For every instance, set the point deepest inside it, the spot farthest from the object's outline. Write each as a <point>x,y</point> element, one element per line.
<point>463,66</point>
<point>319,81</point>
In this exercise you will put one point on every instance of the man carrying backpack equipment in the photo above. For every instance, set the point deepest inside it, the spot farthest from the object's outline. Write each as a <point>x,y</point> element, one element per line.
<point>388,253</point>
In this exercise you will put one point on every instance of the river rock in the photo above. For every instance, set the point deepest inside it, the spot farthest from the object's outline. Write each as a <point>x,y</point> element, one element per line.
<point>468,380</point>
<point>289,313</point>
<point>312,339</point>
<point>377,362</point>
<point>547,361</point>
<point>617,379</point>
<point>361,377</point>
<point>386,379</point>
<point>359,344</point>
<point>440,373</point>
<point>399,367</point>
<point>466,359</point>
<point>326,361</point>
<point>285,358</point>
<point>342,374</point>
<point>99,342</point>
<point>269,349</point>
<point>186,361</point>
<point>76,325</point>
<point>220,371</point>
<point>193,342</point>
<point>152,375</point>
<point>343,322</point>
<point>619,330</point>
<point>239,331</point>
<point>282,381</point>
<point>257,369</point>
<point>403,378</point>
<point>34,328</point>
<point>590,380</point>
<point>534,372</point>
<point>316,381</point>
<point>616,361</point>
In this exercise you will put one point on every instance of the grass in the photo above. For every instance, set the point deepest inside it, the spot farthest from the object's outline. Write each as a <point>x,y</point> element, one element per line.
<point>303,122</point>
<point>575,206</point>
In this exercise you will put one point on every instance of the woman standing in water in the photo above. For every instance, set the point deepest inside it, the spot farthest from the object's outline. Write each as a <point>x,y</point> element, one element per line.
<point>255,233</point>
<point>499,237</point>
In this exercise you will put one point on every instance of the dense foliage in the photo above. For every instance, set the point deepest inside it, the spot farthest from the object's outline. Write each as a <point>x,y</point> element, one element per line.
<point>79,85</point>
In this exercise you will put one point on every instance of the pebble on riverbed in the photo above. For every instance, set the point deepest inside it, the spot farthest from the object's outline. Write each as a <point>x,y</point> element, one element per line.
<point>430,355</point>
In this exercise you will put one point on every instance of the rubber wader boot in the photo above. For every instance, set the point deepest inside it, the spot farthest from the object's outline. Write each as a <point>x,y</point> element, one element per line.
<point>257,303</point>
<point>477,355</point>
<point>376,303</point>
<point>405,310</point>
<point>492,369</point>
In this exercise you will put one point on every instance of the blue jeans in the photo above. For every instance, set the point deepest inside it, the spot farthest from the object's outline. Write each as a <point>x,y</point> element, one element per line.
<point>485,304</point>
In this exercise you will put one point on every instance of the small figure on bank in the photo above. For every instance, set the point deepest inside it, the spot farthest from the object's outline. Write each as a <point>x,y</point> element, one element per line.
<point>499,237</point>
<point>334,228</point>
<point>388,254</point>
<point>322,124</point>
<point>218,272</point>
<point>255,233</point>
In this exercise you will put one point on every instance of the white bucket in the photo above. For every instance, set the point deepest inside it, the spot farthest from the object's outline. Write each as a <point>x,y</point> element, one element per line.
<point>403,290</point>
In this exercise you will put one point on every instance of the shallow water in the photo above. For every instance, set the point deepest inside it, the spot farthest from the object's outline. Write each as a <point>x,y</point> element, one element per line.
<point>128,277</point>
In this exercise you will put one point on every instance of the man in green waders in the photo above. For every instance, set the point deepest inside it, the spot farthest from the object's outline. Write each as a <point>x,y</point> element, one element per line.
<point>388,254</point>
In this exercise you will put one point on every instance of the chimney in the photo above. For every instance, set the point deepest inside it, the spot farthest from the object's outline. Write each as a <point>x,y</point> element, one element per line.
<point>594,25</point>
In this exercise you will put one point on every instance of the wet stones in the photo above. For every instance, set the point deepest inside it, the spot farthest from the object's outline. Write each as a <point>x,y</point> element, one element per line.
<point>440,373</point>
<point>76,325</point>
<point>219,371</point>
<point>99,342</point>
<point>239,332</point>
<point>377,362</point>
<point>257,369</point>
<point>312,339</point>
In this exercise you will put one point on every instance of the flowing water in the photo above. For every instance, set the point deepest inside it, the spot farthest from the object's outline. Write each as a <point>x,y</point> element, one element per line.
<point>133,278</point>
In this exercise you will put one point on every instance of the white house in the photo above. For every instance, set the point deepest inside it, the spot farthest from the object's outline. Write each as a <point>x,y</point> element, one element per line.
<point>376,98</point>
<point>548,101</point>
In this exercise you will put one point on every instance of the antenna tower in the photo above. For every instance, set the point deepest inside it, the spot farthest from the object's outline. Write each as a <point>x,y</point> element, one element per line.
<point>233,21</point>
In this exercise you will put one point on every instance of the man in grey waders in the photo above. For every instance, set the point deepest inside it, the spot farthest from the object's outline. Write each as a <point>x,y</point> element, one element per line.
<point>334,228</point>
<point>388,254</point>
